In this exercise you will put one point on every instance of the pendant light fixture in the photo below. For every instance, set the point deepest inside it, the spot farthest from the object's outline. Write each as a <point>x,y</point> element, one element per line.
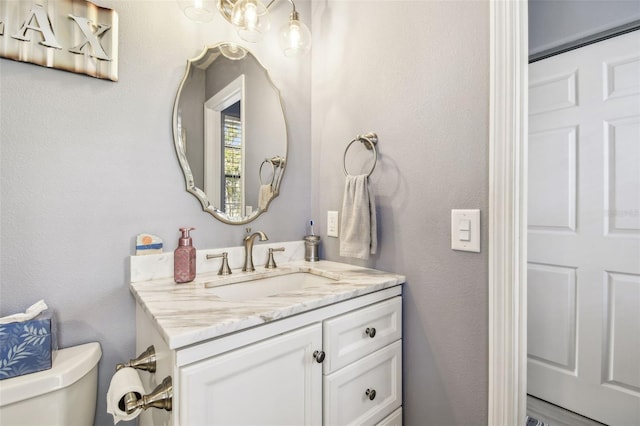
<point>251,19</point>
<point>232,51</point>
<point>294,37</point>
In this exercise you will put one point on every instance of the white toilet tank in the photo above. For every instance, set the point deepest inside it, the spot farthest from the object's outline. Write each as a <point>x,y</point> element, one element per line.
<point>64,395</point>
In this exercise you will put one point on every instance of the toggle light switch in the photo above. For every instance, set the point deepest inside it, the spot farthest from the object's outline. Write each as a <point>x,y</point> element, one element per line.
<point>465,230</point>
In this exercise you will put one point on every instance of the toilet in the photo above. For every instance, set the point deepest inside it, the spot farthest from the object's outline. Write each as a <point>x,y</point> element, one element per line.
<point>64,395</point>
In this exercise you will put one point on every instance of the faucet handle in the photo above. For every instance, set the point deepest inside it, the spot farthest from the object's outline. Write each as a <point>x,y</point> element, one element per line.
<point>224,266</point>
<point>271,263</point>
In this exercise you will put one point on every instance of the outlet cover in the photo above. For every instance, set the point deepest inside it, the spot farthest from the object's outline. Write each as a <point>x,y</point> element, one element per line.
<point>332,224</point>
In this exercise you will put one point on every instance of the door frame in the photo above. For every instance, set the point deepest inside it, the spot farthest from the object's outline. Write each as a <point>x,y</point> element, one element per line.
<point>214,144</point>
<point>507,212</point>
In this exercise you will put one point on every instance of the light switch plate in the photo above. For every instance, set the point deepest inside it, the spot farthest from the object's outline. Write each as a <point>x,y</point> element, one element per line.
<point>465,230</point>
<point>332,224</point>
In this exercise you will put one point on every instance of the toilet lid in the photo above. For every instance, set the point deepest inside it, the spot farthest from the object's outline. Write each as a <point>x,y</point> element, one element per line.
<point>69,365</point>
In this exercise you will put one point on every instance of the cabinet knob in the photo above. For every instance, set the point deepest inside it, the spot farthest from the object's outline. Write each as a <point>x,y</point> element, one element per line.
<point>318,356</point>
<point>371,332</point>
<point>371,394</point>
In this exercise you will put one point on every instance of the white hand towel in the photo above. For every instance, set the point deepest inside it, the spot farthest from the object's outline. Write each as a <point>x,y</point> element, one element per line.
<point>358,235</point>
<point>265,194</point>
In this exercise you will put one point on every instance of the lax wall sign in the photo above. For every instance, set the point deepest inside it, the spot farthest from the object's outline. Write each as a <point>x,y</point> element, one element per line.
<point>70,35</point>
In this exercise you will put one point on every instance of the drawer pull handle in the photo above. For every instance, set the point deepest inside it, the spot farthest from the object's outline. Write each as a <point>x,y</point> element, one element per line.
<point>318,356</point>
<point>371,394</point>
<point>371,332</point>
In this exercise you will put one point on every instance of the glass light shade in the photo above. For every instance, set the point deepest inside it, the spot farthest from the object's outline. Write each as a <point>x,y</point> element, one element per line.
<point>232,51</point>
<point>251,19</point>
<point>198,10</point>
<point>294,38</point>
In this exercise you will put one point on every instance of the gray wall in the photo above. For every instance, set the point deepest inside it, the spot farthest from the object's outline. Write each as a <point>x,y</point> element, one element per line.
<point>192,124</point>
<point>417,73</point>
<point>87,164</point>
<point>554,22</point>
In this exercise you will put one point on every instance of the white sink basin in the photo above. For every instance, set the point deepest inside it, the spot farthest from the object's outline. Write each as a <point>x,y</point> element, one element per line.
<point>270,286</point>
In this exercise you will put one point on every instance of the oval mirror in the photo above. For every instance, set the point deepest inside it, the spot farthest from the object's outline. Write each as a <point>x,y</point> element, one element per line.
<point>230,133</point>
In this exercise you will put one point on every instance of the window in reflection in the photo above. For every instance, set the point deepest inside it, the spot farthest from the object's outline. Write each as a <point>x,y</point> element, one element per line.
<point>232,160</point>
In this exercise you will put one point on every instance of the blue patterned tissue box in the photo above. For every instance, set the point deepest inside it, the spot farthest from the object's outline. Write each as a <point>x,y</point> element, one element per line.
<point>26,347</point>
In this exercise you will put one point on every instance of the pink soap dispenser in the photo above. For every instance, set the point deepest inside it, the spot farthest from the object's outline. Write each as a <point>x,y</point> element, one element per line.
<point>184,259</point>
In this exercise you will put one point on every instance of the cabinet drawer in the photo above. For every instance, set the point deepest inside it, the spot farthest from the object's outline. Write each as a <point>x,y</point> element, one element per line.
<point>393,419</point>
<point>345,337</point>
<point>348,397</point>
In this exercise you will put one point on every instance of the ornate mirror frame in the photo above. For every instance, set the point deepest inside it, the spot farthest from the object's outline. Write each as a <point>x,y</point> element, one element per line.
<point>276,163</point>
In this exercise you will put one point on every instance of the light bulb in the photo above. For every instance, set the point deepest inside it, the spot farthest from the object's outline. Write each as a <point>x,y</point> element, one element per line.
<point>251,19</point>
<point>251,16</point>
<point>294,37</point>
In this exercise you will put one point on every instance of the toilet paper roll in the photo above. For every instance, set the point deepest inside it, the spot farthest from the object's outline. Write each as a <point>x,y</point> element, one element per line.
<point>123,381</point>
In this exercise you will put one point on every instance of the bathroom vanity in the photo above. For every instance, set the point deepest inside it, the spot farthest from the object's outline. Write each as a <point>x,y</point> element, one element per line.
<point>306,343</point>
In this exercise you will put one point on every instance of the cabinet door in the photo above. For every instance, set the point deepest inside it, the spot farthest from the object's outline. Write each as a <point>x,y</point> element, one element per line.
<point>273,382</point>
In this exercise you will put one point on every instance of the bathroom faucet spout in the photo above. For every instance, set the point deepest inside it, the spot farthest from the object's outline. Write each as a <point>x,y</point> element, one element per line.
<point>248,249</point>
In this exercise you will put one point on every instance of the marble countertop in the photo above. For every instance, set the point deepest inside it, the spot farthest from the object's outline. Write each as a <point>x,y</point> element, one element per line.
<point>190,313</point>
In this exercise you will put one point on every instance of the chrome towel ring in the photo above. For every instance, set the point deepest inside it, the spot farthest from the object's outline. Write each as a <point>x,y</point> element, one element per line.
<point>370,140</point>
<point>275,162</point>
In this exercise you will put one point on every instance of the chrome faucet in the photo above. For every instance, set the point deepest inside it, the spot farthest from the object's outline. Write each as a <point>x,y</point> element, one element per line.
<point>248,248</point>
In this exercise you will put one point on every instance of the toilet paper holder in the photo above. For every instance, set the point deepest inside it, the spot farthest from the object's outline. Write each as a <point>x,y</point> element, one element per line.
<point>145,361</point>
<point>160,397</point>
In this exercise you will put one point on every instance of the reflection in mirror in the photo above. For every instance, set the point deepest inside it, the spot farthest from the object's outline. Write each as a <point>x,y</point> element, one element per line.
<point>223,146</point>
<point>233,161</point>
<point>230,133</point>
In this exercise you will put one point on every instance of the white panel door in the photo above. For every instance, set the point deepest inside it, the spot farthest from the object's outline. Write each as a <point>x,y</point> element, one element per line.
<point>584,230</point>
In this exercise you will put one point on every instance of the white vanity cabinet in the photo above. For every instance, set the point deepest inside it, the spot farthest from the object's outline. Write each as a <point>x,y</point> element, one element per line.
<point>339,364</point>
